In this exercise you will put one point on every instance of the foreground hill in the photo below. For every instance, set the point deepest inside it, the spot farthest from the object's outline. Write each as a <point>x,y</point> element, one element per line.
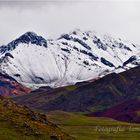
<point>19,122</point>
<point>74,57</point>
<point>95,96</point>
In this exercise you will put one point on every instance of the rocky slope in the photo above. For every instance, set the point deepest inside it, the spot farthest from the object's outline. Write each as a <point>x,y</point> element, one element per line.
<point>10,87</point>
<point>19,122</point>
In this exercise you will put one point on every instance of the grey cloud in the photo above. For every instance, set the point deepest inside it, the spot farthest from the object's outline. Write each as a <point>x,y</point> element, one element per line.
<point>34,3</point>
<point>23,4</point>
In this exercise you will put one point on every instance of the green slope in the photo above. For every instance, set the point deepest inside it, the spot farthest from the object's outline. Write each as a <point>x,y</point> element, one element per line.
<point>91,128</point>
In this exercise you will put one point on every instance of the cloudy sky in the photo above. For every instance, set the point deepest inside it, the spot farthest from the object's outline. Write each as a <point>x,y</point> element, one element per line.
<point>120,18</point>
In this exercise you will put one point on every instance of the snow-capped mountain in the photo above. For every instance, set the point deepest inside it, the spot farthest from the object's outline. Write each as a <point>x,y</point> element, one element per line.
<point>74,57</point>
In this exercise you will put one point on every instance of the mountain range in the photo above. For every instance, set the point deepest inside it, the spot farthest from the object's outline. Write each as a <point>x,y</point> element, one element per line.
<point>74,57</point>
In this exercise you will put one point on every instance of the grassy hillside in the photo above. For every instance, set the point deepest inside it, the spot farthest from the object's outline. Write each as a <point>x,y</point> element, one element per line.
<point>20,123</point>
<point>91,128</point>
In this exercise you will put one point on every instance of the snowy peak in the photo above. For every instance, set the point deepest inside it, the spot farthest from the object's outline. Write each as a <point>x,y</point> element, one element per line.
<point>98,45</point>
<point>28,37</point>
<point>33,38</point>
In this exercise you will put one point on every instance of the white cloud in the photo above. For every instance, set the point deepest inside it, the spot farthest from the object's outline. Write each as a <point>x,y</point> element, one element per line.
<point>50,19</point>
